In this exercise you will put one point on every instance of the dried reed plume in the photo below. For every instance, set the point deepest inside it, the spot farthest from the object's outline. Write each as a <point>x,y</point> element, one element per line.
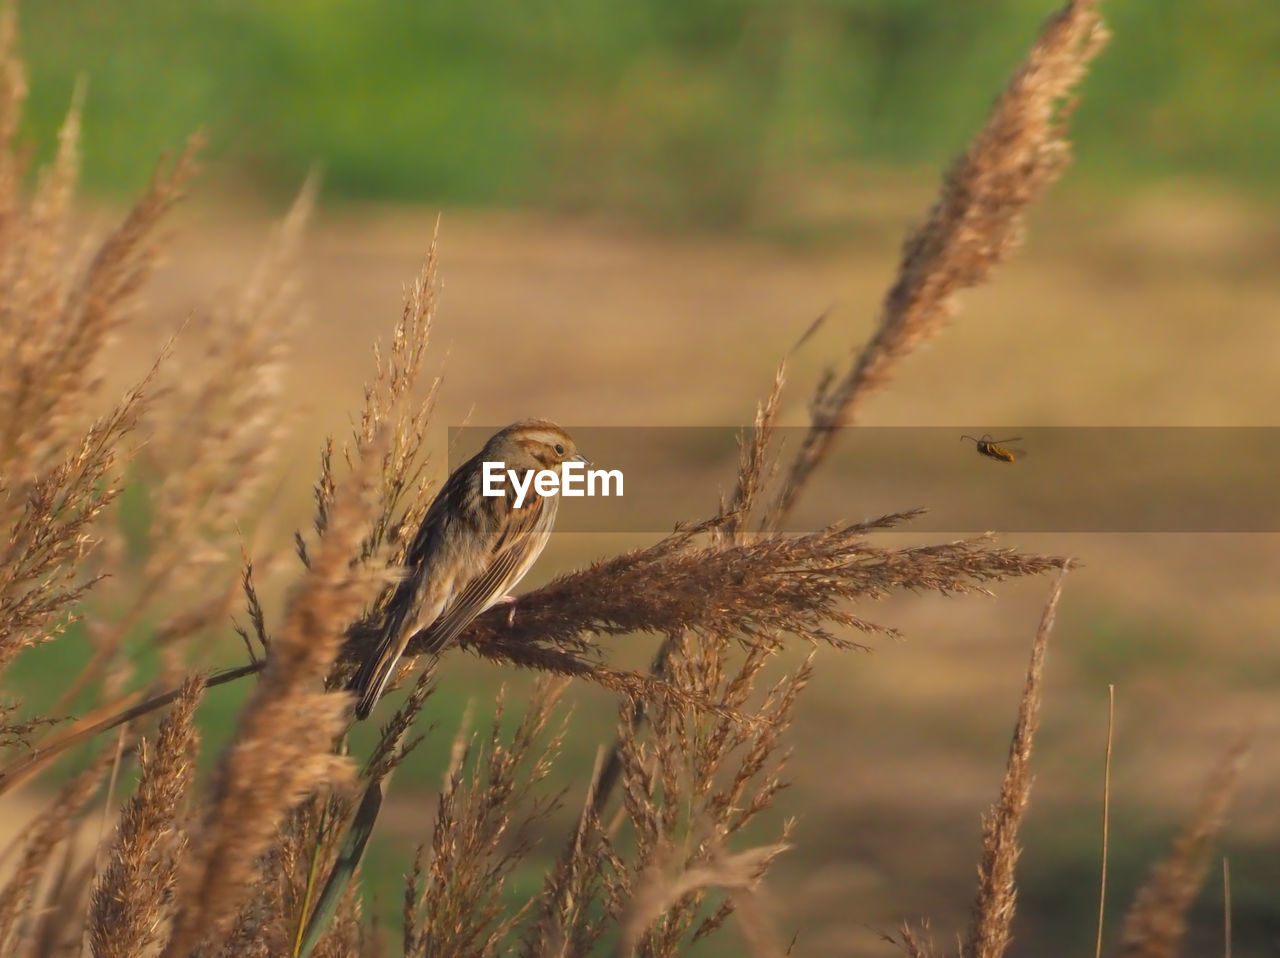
<point>283,749</point>
<point>63,453</point>
<point>668,847</point>
<point>993,909</point>
<point>764,588</point>
<point>60,311</point>
<point>913,941</point>
<point>391,404</point>
<point>974,226</point>
<point>715,777</point>
<point>139,877</point>
<point>40,840</point>
<point>208,459</point>
<point>453,899</point>
<point>207,451</point>
<point>1157,920</point>
<point>739,874</point>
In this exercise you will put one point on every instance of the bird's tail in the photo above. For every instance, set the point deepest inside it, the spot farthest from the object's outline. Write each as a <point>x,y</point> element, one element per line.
<point>370,682</point>
<point>371,679</point>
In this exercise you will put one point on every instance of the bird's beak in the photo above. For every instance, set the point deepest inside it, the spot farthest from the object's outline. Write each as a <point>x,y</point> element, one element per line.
<point>579,457</point>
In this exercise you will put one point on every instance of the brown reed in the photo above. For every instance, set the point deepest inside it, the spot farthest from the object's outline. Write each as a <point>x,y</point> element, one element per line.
<point>672,844</point>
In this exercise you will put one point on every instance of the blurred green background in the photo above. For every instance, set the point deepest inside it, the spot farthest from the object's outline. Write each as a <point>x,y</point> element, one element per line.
<point>739,116</point>
<point>680,112</point>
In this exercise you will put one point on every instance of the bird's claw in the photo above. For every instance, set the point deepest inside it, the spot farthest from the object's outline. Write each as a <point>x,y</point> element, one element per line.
<point>510,602</point>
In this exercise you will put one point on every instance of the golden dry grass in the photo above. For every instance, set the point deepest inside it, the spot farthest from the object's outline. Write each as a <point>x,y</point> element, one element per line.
<point>661,852</point>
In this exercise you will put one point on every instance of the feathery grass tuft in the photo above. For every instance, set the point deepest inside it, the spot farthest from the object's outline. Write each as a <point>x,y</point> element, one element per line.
<point>1157,920</point>
<point>975,225</point>
<point>138,880</point>
<point>673,843</point>
<point>990,926</point>
<point>282,752</point>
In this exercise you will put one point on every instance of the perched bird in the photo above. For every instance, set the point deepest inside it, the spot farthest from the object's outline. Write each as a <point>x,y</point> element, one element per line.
<point>470,550</point>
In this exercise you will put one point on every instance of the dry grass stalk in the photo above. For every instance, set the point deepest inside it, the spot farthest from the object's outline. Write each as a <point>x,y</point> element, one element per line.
<point>13,94</point>
<point>738,873</point>
<point>51,532</point>
<point>209,456</point>
<point>913,940</point>
<point>102,298</point>
<point>755,467</point>
<point>1106,818</point>
<point>308,845</point>
<point>59,917</point>
<point>755,591</point>
<point>59,313</point>
<point>1157,920</point>
<point>697,782</point>
<point>1226,907</point>
<point>571,890</point>
<point>318,916</point>
<point>394,744</point>
<point>62,454</point>
<point>16,732</point>
<point>271,921</point>
<point>132,892</point>
<point>973,227</point>
<point>722,600</point>
<point>94,724</point>
<point>253,606</point>
<point>993,909</point>
<point>282,751</point>
<point>54,825</point>
<point>231,402</point>
<point>748,586</point>
<point>454,906</point>
<point>389,404</point>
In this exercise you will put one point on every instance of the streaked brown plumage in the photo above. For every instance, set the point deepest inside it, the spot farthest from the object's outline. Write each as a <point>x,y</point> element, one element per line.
<point>470,550</point>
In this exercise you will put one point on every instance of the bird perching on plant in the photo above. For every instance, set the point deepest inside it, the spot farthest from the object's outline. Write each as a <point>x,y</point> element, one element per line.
<point>470,550</point>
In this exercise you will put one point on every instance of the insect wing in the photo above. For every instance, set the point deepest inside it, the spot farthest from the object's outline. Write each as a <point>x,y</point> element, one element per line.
<point>996,449</point>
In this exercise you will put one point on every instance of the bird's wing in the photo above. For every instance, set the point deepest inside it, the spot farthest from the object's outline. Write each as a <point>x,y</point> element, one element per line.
<point>423,593</point>
<point>376,670</point>
<point>517,548</point>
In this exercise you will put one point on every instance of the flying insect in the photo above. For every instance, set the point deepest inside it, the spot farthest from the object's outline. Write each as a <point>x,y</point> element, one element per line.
<point>995,448</point>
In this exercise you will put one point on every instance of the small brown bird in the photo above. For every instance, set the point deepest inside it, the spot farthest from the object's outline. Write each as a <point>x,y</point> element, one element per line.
<point>470,550</point>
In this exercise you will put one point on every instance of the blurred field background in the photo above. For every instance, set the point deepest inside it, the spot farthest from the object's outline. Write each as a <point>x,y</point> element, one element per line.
<point>643,208</point>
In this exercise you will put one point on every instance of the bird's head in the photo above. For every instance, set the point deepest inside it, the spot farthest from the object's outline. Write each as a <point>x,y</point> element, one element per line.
<point>533,444</point>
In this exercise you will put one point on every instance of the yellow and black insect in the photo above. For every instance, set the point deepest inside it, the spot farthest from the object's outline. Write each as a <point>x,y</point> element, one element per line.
<point>994,448</point>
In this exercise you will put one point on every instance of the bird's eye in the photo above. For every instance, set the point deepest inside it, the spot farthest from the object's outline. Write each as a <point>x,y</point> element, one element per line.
<point>559,449</point>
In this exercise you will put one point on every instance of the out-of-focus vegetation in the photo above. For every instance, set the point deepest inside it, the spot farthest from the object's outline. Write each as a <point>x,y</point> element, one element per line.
<point>682,111</point>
